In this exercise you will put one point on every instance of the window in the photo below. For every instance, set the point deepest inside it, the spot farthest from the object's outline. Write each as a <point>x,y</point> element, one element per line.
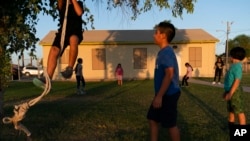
<point>195,56</point>
<point>31,67</point>
<point>98,59</point>
<point>140,58</point>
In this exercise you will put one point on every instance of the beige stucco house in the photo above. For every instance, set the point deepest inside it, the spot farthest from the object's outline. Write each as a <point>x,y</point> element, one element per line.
<point>102,50</point>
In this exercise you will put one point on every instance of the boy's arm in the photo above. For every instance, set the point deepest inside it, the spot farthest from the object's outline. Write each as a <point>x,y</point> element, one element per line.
<point>233,89</point>
<point>169,73</point>
<point>78,8</point>
<point>59,4</point>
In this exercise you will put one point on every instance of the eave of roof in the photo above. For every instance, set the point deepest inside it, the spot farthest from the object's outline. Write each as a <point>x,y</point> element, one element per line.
<point>135,37</point>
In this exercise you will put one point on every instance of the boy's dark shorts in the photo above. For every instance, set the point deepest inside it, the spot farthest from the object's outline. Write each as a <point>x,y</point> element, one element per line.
<point>167,114</point>
<point>236,104</point>
<point>57,40</point>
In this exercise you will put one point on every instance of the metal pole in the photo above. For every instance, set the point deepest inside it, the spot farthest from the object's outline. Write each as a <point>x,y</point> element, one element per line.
<point>228,31</point>
<point>18,69</point>
<point>227,47</point>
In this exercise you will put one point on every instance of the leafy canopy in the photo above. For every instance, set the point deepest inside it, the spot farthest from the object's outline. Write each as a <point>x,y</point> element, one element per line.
<point>242,41</point>
<point>138,6</point>
<point>19,17</point>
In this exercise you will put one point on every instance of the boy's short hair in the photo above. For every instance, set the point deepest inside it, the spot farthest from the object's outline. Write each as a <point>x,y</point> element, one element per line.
<point>238,53</point>
<point>166,28</point>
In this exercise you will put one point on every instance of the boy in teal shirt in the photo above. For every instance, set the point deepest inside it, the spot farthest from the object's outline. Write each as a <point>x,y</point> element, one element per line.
<point>232,87</point>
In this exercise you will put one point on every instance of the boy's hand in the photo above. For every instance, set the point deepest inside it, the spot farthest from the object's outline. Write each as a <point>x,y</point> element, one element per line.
<point>227,96</point>
<point>157,102</point>
<point>224,95</point>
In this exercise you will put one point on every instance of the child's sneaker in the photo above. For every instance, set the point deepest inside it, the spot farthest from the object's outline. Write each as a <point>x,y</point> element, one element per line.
<point>39,82</point>
<point>80,92</point>
<point>67,73</point>
<point>83,92</point>
<point>214,83</point>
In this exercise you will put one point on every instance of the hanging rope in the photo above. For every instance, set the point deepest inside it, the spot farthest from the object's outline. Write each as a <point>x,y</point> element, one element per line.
<point>62,39</point>
<point>21,109</point>
<point>64,28</point>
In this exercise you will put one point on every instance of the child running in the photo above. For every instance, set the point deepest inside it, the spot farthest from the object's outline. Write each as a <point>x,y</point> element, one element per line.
<point>187,75</point>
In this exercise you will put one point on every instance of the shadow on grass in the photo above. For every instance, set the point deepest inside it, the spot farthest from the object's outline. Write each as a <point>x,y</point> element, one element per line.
<point>112,113</point>
<point>212,119</point>
<point>218,118</point>
<point>98,115</point>
<point>184,128</point>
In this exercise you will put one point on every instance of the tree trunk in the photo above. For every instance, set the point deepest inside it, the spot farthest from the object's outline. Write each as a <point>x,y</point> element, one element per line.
<point>1,104</point>
<point>22,60</point>
<point>1,84</point>
<point>31,61</point>
<point>5,73</point>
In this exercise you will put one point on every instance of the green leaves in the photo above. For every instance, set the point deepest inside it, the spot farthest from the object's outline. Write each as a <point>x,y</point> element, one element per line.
<point>137,7</point>
<point>19,17</point>
<point>242,41</point>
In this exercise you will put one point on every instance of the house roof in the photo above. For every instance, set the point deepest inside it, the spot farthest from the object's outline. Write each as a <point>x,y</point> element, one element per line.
<point>136,37</point>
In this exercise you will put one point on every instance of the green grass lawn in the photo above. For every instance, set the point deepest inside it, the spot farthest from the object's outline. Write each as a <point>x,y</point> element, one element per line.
<point>112,113</point>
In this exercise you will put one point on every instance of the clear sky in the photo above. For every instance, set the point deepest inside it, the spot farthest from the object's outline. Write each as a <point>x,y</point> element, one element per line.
<point>210,15</point>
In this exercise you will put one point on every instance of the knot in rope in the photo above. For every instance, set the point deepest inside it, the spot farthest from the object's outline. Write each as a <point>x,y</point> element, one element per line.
<point>21,109</point>
<point>19,113</point>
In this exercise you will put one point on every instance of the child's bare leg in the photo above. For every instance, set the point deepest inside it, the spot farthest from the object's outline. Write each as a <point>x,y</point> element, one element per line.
<point>52,61</point>
<point>242,119</point>
<point>73,51</point>
<point>154,130</point>
<point>231,117</point>
<point>174,133</point>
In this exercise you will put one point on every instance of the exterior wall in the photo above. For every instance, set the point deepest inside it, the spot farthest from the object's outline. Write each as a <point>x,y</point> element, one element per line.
<point>208,59</point>
<point>119,45</point>
<point>114,55</point>
<point>124,54</point>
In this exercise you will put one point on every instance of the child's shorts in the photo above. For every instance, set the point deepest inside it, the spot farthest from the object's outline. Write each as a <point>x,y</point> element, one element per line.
<point>236,104</point>
<point>57,40</point>
<point>167,114</point>
<point>119,77</point>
